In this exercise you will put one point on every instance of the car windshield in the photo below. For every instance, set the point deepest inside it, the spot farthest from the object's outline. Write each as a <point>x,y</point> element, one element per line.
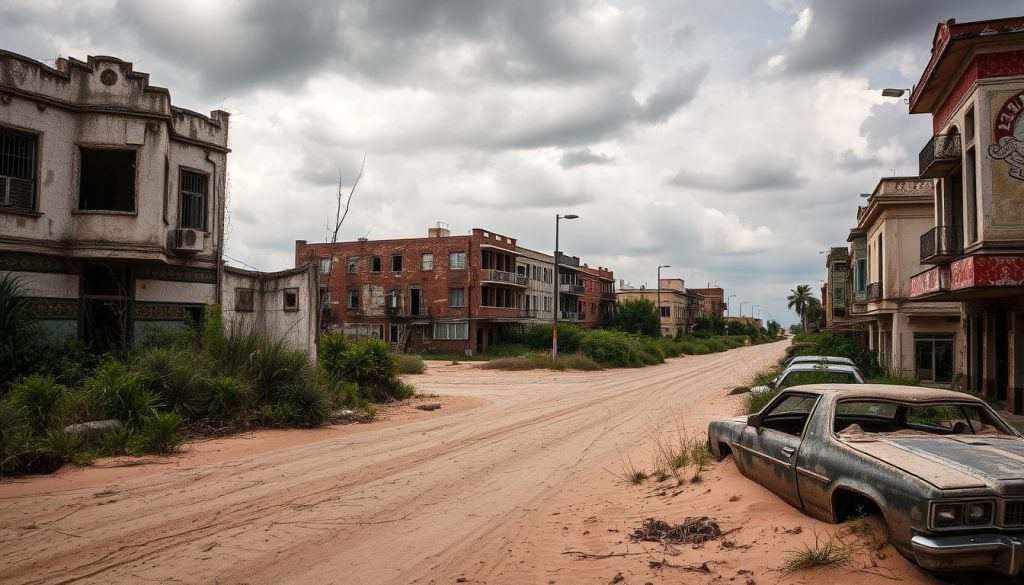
<point>876,418</point>
<point>821,376</point>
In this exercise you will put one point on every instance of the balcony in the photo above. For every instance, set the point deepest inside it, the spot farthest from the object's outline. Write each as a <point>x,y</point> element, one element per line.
<point>941,244</point>
<point>570,316</point>
<point>571,289</point>
<point>503,277</point>
<point>529,313</point>
<point>421,311</point>
<point>940,156</point>
<point>874,292</point>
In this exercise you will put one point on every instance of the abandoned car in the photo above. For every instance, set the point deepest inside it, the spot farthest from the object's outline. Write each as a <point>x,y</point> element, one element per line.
<point>941,467</point>
<point>813,373</point>
<point>817,359</point>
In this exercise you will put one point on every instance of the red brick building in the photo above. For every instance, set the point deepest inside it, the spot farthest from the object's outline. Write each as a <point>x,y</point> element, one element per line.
<point>448,293</point>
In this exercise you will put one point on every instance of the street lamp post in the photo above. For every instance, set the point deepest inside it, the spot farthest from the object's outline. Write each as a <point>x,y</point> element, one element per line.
<point>727,311</point>
<point>752,310</point>
<point>554,323</point>
<point>741,309</point>
<point>659,296</point>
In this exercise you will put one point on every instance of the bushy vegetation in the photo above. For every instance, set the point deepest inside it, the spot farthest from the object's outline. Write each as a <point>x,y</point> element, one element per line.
<point>411,364</point>
<point>215,375</point>
<point>537,361</point>
<point>840,345</point>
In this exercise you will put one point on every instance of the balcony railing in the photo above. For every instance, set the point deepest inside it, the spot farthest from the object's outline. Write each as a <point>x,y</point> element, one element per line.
<point>503,276</point>
<point>571,289</point>
<point>570,316</point>
<point>942,243</point>
<point>421,311</point>
<point>874,292</point>
<point>529,313</point>
<point>940,156</point>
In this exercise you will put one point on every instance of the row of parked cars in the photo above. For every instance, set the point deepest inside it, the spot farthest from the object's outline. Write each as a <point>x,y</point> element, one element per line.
<point>942,468</point>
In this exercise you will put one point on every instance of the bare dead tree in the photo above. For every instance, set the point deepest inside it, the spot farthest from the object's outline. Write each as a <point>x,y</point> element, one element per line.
<point>334,228</point>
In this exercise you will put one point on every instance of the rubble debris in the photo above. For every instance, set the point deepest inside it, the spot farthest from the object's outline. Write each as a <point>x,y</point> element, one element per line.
<point>690,531</point>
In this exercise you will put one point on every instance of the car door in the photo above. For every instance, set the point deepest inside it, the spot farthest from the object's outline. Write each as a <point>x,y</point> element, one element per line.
<point>769,451</point>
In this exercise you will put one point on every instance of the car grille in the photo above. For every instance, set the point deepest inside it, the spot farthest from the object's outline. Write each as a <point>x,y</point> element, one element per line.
<point>1014,514</point>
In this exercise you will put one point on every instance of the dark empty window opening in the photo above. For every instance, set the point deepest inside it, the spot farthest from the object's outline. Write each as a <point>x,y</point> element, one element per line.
<point>194,189</point>
<point>107,180</point>
<point>17,170</point>
<point>291,299</point>
<point>375,264</point>
<point>396,263</point>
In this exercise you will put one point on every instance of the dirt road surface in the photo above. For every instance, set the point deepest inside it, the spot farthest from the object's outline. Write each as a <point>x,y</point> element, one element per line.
<point>514,480</point>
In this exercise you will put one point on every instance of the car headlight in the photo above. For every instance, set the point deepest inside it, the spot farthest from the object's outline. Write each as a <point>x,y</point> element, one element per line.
<point>978,513</point>
<point>948,514</point>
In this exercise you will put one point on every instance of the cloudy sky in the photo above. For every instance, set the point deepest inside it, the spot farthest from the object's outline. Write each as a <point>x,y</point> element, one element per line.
<point>727,138</point>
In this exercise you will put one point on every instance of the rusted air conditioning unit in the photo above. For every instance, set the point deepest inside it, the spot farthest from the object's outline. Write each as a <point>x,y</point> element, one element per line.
<point>188,240</point>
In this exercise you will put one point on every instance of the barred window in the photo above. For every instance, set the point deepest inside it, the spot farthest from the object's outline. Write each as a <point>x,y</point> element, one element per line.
<point>451,330</point>
<point>194,190</point>
<point>17,170</point>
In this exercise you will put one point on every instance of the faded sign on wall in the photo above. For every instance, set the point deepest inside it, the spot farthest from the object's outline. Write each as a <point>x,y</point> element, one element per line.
<point>1009,135</point>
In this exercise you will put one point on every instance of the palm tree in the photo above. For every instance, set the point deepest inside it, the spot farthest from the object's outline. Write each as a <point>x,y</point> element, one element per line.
<point>799,300</point>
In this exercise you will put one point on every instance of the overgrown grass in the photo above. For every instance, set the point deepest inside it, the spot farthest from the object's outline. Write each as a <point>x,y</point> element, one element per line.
<point>540,361</point>
<point>411,364</point>
<point>630,473</point>
<point>680,454</point>
<point>828,552</point>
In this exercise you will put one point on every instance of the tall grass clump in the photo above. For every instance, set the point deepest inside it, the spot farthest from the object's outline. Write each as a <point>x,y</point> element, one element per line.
<point>19,332</point>
<point>411,364</point>
<point>368,363</point>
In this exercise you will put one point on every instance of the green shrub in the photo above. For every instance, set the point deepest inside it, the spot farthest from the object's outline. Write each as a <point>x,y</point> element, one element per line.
<point>280,414</point>
<point>310,405</point>
<point>411,364</point>
<point>609,348</point>
<point>117,441</point>
<point>159,433</point>
<point>122,393</point>
<point>331,349</point>
<point>229,398</point>
<point>15,437</point>
<point>176,378</point>
<point>576,361</point>
<point>40,397</point>
<point>756,401</point>
<point>20,337</point>
<point>62,444</point>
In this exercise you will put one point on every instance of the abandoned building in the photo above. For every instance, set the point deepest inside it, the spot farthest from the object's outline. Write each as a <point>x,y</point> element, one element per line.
<point>451,293</point>
<point>679,307</point>
<point>111,199</point>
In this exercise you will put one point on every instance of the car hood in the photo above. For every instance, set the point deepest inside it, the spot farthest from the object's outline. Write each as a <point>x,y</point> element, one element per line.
<point>959,462</point>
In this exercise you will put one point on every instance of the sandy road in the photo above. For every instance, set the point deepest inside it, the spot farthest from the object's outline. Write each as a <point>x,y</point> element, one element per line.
<point>492,494</point>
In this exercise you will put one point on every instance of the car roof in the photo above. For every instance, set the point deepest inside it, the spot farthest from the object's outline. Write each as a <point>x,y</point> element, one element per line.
<point>818,358</point>
<point>819,367</point>
<point>892,391</point>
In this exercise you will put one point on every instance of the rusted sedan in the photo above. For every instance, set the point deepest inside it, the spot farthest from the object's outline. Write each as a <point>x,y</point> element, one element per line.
<point>941,467</point>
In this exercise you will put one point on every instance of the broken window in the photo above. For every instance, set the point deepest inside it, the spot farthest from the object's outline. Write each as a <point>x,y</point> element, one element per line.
<point>325,265</point>
<point>427,262</point>
<point>375,264</point>
<point>353,298</point>
<point>353,264</point>
<point>291,299</point>
<point>396,263</point>
<point>457,260</point>
<point>244,299</point>
<point>193,200</point>
<point>107,180</point>
<point>17,170</point>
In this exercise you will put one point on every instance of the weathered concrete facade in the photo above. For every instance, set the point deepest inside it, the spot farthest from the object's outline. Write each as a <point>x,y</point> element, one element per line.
<point>913,339</point>
<point>282,305</point>
<point>444,292</point>
<point>111,198</point>
<point>679,307</point>
<point>973,86</point>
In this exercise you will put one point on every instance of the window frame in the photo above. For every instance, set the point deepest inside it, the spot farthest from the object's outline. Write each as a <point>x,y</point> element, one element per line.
<point>36,138</point>
<point>376,265</point>
<point>135,179</point>
<point>352,264</point>
<point>240,294</point>
<point>400,259</point>
<point>427,265</point>
<point>452,331</point>
<point>352,294</point>
<point>461,295</point>
<point>182,171</point>
<point>284,298</point>
<point>461,264</point>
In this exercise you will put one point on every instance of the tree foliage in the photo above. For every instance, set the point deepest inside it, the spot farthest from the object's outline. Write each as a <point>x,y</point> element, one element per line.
<point>799,299</point>
<point>637,316</point>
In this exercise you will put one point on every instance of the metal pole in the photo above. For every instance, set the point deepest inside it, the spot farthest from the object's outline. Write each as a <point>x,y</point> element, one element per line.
<point>659,301</point>
<point>554,323</point>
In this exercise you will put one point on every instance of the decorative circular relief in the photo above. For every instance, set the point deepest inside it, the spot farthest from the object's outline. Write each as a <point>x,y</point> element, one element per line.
<point>108,77</point>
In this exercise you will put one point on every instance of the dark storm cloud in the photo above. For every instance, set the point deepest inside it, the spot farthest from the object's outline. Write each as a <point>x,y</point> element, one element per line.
<point>752,176</point>
<point>672,94</point>
<point>577,158</point>
<point>845,35</point>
